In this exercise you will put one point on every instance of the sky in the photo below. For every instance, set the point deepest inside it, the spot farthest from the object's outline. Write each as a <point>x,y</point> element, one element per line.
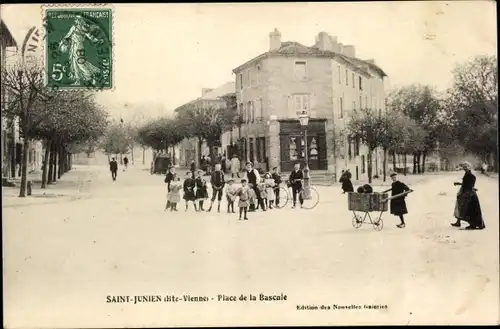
<point>166,53</point>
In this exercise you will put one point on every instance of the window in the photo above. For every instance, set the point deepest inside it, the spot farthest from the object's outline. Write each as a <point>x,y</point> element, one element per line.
<point>258,110</point>
<point>361,103</point>
<point>301,103</point>
<point>261,149</point>
<point>241,80</point>
<point>356,146</point>
<point>363,165</point>
<point>250,147</point>
<point>242,112</point>
<point>249,77</point>
<point>300,71</point>
<point>353,81</point>
<point>366,101</point>
<point>341,107</point>
<point>346,78</point>
<point>251,112</point>
<point>360,83</point>
<point>340,75</point>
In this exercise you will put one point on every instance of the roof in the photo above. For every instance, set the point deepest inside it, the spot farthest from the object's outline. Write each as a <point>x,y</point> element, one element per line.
<point>295,49</point>
<point>214,95</point>
<point>6,35</point>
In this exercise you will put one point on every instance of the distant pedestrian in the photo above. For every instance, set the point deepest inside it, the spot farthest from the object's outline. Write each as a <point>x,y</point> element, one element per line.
<point>235,166</point>
<point>174,195</point>
<point>467,206</point>
<point>201,190</point>
<point>484,169</point>
<point>189,194</point>
<point>217,182</point>
<point>244,197</point>
<point>113,167</point>
<point>125,162</point>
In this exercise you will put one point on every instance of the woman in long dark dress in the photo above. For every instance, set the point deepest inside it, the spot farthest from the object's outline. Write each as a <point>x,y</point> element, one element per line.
<point>467,206</point>
<point>188,187</point>
<point>345,179</point>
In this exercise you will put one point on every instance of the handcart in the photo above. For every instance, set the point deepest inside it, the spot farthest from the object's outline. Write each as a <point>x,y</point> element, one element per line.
<point>369,202</point>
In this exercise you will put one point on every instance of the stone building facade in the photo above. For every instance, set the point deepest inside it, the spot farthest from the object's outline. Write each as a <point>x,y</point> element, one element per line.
<point>326,81</point>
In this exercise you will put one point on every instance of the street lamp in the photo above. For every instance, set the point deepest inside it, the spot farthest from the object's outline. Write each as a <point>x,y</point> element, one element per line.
<point>304,121</point>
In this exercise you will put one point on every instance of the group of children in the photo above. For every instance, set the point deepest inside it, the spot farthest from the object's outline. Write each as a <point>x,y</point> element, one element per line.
<point>195,190</point>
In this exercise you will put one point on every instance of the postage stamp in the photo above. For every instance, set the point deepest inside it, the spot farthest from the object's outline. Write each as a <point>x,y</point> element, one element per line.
<point>79,48</point>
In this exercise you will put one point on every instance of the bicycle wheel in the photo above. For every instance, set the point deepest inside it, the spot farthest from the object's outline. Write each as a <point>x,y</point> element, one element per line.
<point>313,199</point>
<point>282,200</point>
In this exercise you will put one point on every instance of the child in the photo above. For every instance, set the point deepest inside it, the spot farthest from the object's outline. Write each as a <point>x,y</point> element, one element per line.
<point>277,181</point>
<point>252,196</point>
<point>188,188</point>
<point>244,194</point>
<point>295,181</point>
<point>269,181</point>
<point>174,196</point>
<point>263,194</point>
<point>201,190</point>
<point>398,205</point>
<point>231,191</point>
<point>217,182</point>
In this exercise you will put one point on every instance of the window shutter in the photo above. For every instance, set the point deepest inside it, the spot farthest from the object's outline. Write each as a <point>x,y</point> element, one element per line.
<point>312,105</point>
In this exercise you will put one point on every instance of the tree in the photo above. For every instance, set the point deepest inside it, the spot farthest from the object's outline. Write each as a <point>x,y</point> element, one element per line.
<point>26,95</point>
<point>116,140</point>
<point>207,124</point>
<point>473,105</point>
<point>421,104</point>
<point>369,128</point>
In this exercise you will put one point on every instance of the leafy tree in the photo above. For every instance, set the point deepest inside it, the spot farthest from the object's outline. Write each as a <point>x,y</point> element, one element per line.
<point>421,104</point>
<point>473,104</point>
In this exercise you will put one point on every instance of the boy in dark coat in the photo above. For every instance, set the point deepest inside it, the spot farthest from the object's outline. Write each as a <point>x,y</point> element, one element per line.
<point>295,179</point>
<point>113,167</point>
<point>168,179</point>
<point>217,182</point>
<point>277,181</point>
<point>188,188</point>
<point>398,205</point>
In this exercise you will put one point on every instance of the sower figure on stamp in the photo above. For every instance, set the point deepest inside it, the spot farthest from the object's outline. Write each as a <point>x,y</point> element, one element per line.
<point>217,182</point>
<point>398,205</point>
<point>467,206</point>
<point>201,189</point>
<point>188,187</point>
<point>113,167</point>
<point>168,179</point>
<point>231,191</point>
<point>295,179</point>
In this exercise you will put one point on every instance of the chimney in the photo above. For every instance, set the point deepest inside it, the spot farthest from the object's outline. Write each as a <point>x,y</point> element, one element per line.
<point>274,40</point>
<point>349,51</point>
<point>205,90</point>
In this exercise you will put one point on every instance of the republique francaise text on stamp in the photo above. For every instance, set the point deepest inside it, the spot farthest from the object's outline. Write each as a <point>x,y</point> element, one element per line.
<point>78,47</point>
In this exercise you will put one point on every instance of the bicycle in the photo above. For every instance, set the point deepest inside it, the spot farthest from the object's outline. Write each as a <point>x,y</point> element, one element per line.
<point>309,201</point>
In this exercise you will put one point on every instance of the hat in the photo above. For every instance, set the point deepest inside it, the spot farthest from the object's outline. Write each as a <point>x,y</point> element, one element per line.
<point>243,180</point>
<point>394,174</point>
<point>275,168</point>
<point>466,164</point>
<point>249,163</point>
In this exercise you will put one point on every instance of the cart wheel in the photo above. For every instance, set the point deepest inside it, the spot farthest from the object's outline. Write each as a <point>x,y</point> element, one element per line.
<point>313,199</point>
<point>379,225</point>
<point>283,198</point>
<point>357,221</point>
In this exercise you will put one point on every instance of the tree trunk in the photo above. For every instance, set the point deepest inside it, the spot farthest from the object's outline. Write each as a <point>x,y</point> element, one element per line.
<point>404,163</point>
<point>45,168</point>
<point>109,158</point>
<point>495,161</point>
<point>132,152</point>
<point>369,159</point>
<point>394,161</point>
<point>424,155</point>
<point>24,168</point>
<point>198,160</point>
<point>56,158</point>
<point>384,164</point>
<point>173,155</point>
<point>418,163</point>
<point>143,155</point>
<point>60,164</point>
<point>51,164</point>
<point>414,163</point>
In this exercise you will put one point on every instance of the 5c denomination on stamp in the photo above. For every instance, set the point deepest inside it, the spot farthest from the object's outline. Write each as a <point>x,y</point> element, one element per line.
<point>79,48</point>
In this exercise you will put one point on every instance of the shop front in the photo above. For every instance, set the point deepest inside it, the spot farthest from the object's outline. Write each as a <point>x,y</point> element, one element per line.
<point>293,144</point>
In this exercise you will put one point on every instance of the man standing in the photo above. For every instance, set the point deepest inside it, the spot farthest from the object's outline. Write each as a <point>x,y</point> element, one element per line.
<point>253,178</point>
<point>295,179</point>
<point>217,182</point>
<point>113,167</point>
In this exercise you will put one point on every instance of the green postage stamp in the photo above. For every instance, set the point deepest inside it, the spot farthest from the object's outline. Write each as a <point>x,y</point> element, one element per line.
<point>79,48</point>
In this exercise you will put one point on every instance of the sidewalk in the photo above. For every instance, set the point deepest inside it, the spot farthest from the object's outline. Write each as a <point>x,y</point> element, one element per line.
<point>72,186</point>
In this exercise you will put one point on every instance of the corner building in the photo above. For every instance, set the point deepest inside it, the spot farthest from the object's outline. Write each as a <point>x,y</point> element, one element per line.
<point>326,81</point>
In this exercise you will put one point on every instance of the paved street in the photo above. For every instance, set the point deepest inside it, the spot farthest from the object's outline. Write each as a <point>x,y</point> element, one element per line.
<point>70,256</point>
